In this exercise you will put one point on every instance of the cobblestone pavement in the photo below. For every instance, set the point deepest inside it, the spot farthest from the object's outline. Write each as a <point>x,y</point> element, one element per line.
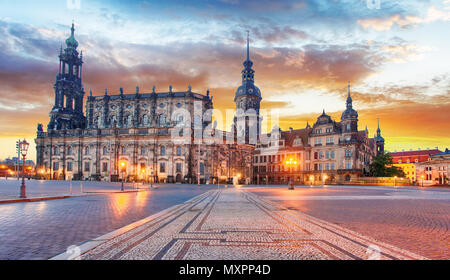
<point>40,230</point>
<point>237,224</point>
<point>10,188</point>
<point>413,219</point>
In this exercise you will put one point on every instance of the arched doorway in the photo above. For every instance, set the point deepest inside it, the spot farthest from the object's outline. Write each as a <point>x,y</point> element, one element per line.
<point>178,178</point>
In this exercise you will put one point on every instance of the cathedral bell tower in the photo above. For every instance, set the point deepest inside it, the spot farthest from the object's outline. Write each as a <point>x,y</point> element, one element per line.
<point>67,112</point>
<point>349,120</point>
<point>247,121</point>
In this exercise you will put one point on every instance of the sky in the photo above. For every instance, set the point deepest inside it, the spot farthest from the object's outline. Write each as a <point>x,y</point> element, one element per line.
<point>396,56</point>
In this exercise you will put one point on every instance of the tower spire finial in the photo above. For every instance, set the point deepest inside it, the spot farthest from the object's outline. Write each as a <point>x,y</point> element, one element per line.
<point>248,45</point>
<point>348,88</point>
<point>349,98</point>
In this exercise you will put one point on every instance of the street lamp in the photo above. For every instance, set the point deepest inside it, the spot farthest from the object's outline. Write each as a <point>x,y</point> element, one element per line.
<point>422,177</point>
<point>395,178</point>
<point>123,167</point>
<point>325,177</point>
<point>290,163</point>
<point>151,178</point>
<point>311,178</point>
<point>23,150</point>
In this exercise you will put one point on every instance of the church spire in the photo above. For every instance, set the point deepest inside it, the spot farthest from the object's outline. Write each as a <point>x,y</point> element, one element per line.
<point>378,129</point>
<point>349,98</point>
<point>248,63</point>
<point>248,45</point>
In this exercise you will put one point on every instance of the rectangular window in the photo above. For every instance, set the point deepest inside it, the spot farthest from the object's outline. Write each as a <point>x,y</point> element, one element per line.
<point>332,154</point>
<point>178,167</point>
<point>162,167</point>
<point>55,165</point>
<point>105,167</point>
<point>69,166</point>
<point>332,166</point>
<point>87,167</point>
<point>348,165</point>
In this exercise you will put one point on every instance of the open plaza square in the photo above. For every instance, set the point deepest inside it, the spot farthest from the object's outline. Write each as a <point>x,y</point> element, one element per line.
<point>181,221</point>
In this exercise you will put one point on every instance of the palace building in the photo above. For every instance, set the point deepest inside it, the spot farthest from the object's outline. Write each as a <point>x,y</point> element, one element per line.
<point>327,152</point>
<point>155,136</point>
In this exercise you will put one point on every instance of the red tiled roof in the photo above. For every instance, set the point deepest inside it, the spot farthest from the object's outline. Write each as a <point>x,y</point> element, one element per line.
<point>415,153</point>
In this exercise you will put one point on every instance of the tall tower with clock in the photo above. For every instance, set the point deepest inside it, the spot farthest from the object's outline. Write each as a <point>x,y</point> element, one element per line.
<point>247,121</point>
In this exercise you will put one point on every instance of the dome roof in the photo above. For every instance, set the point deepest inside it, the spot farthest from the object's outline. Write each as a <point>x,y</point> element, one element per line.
<point>248,89</point>
<point>71,42</point>
<point>349,113</point>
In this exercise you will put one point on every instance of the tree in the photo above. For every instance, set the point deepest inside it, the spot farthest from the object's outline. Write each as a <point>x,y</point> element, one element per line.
<point>381,166</point>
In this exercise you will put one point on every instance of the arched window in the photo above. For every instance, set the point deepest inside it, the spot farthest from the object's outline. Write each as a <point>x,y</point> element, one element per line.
<point>143,151</point>
<point>178,151</point>
<point>202,168</point>
<point>179,119</point>
<point>145,119</point>
<point>86,150</point>
<point>69,150</point>
<point>124,150</point>
<point>105,150</point>
<point>163,150</point>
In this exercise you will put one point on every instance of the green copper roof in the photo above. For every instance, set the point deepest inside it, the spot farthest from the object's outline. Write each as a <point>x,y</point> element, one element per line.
<point>71,42</point>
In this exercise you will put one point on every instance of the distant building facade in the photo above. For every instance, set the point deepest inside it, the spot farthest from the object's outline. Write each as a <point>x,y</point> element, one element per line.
<point>327,152</point>
<point>434,171</point>
<point>407,160</point>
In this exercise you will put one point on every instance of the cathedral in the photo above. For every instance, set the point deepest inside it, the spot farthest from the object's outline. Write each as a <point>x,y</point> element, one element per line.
<point>130,136</point>
<point>169,136</point>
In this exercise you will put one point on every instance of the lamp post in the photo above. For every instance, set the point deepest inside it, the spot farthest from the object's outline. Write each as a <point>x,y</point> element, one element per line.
<point>311,178</point>
<point>151,178</point>
<point>422,180</point>
<point>122,168</point>
<point>23,150</point>
<point>395,178</point>
<point>291,163</point>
